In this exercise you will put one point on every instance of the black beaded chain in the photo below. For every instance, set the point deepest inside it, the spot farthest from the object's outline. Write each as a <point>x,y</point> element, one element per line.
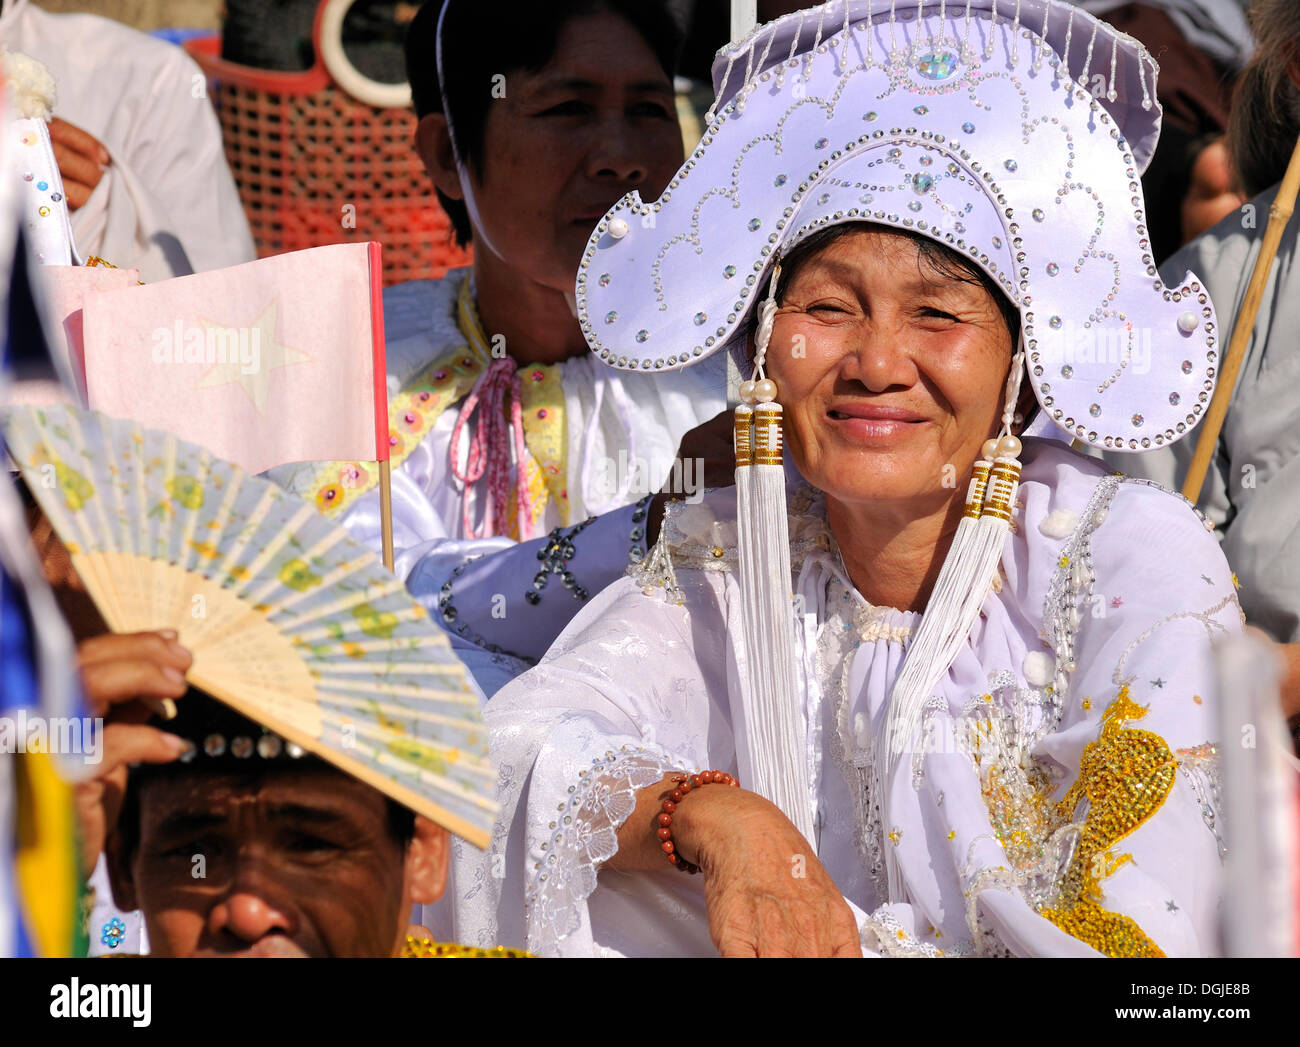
<point>450,617</point>
<point>555,557</point>
<point>637,553</point>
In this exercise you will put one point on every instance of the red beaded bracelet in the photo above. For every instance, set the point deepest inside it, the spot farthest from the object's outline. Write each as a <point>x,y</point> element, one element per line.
<point>684,783</point>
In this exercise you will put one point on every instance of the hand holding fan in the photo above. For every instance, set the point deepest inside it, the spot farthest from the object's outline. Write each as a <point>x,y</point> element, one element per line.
<point>290,622</point>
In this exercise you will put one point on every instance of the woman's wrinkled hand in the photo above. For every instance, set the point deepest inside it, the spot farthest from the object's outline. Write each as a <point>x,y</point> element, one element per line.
<point>121,674</point>
<point>765,891</point>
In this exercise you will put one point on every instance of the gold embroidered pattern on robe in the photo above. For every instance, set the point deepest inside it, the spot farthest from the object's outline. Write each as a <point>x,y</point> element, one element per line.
<point>1125,776</point>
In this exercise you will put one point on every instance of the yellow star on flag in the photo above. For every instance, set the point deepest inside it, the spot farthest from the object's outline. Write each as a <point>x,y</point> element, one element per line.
<point>272,354</point>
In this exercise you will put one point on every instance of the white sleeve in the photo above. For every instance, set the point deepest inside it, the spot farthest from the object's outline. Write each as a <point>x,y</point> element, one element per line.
<point>620,700</point>
<point>167,203</point>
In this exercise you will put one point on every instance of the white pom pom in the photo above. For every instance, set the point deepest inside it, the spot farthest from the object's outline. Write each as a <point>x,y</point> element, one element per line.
<point>1039,668</point>
<point>29,85</point>
<point>1059,523</point>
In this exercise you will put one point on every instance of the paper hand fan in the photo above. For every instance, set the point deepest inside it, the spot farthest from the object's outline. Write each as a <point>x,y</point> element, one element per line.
<point>290,621</point>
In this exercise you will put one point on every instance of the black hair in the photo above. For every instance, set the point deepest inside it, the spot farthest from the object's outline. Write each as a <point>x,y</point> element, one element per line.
<point>934,256</point>
<point>481,40</point>
<point>199,715</point>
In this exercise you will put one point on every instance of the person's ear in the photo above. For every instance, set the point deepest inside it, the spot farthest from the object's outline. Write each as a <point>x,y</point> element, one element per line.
<point>433,144</point>
<point>1026,404</point>
<point>427,857</point>
<point>120,879</point>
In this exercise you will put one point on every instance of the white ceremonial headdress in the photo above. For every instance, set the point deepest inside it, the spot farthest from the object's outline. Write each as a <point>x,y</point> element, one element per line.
<point>1014,132</point>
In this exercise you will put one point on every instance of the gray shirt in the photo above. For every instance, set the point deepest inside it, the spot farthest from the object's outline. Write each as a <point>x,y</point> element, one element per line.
<point>1252,490</point>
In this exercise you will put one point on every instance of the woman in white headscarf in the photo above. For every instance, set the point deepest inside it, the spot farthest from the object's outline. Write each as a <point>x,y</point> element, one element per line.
<point>987,720</point>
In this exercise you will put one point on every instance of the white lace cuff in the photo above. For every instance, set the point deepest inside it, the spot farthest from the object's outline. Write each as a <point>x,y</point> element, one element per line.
<point>584,835</point>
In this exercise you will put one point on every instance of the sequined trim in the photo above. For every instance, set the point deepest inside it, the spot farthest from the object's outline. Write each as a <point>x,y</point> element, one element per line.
<point>852,746</point>
<point>1001,728</point>
<point>984,939</point>
<point>426,948</point>
<point>1214,631</point>
<point>886,935</point>
<point>1206,522</point>
<point>1125,776</point>
<point>1070,588</point>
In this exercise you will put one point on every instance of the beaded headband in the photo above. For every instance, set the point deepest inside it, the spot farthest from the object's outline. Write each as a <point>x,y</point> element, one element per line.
<point>218,737</point>
<point>1011,131</point>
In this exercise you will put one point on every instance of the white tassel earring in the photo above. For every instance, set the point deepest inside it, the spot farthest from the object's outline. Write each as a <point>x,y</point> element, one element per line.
<point>771,701</point>
<point>959,592</point>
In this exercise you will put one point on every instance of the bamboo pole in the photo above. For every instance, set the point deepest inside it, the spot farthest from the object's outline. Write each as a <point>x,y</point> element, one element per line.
<point>1278,216</point>
<point>386,512</point>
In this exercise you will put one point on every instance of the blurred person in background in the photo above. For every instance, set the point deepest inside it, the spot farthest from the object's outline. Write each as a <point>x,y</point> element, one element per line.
<point>137,144</point>
<point>1252,490</point>
<point>533,120</point>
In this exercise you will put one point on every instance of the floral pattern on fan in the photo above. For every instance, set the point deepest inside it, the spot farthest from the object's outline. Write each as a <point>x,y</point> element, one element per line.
<point>289,620</point>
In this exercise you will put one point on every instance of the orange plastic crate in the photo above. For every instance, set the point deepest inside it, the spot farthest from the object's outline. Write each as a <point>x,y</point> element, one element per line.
<point>315,166</point>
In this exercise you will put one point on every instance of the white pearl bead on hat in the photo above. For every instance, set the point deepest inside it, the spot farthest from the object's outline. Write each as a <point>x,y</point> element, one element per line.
<point>618,229</point>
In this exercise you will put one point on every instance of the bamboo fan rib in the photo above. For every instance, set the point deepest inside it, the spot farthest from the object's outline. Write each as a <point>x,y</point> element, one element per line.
<point>290,622</point>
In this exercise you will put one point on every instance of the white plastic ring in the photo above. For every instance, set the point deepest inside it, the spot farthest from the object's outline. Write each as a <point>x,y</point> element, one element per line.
<point>345,74</point>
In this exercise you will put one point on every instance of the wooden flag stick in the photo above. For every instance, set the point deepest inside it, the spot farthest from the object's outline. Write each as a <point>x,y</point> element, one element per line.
<point>386,512</point>
<point>1278,216</point>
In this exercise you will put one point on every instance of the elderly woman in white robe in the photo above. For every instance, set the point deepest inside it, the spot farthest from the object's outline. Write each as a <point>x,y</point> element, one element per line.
<point>989,725</point>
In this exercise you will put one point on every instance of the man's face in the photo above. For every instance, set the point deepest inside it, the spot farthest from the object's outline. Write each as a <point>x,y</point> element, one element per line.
<point>292,862</point>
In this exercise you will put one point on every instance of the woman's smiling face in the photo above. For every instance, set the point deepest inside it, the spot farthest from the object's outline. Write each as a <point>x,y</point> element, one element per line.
<point>891,373</point>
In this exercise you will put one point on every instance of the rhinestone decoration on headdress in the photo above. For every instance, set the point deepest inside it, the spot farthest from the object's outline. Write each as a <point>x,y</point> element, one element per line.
<point>1012,131</point>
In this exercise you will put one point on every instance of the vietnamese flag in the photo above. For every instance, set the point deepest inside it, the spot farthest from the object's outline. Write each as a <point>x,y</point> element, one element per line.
<point>274,361</point>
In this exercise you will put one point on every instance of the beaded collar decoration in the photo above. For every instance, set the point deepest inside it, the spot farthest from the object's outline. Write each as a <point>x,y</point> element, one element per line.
<point>1013,131</point>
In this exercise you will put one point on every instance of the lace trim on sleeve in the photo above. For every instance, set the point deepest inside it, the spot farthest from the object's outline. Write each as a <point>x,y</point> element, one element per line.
<point>584,835</point>
<point>884,933</point>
